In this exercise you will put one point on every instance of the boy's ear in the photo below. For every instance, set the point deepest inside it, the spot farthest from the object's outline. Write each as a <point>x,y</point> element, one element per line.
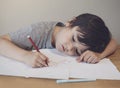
<point>68,23</point>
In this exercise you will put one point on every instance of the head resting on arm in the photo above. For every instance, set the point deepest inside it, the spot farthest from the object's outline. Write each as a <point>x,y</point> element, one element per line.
<point>95,34</point>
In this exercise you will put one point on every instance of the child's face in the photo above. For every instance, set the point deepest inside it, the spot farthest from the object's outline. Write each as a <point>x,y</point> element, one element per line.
<point>67,42</point>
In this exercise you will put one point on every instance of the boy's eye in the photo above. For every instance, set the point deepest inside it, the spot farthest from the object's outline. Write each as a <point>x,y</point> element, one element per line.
<point>77,52</point>
<point>73,39</point>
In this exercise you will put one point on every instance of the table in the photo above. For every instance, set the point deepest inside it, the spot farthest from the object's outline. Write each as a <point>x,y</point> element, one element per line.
<point>21,82</point>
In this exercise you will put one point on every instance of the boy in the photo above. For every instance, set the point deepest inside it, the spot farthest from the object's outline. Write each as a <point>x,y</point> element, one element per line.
<point>85,36</point>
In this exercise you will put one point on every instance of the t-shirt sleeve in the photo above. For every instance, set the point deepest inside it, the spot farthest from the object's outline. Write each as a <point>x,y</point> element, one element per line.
<point>20,39</point>
<point>40,32</point>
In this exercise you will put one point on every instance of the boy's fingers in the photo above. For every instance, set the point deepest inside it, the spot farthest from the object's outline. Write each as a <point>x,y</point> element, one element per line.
<point>45,59</point>
<point>81,57</point>
<point>86,57</point>
<point>90,59</point>
<point>96,60</point>
<point>41,61</point>
<point>38,65</point>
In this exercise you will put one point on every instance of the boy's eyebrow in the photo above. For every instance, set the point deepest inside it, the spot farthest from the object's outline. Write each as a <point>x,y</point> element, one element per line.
<point>77,38</point>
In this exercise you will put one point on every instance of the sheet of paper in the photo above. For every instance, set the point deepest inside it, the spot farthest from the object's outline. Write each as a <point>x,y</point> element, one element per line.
<point>105,69</point>
<point>14,68</point>
<point>61,66</point>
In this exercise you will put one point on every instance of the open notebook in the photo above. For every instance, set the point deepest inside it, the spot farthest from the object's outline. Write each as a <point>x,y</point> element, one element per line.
<point>61,66</point>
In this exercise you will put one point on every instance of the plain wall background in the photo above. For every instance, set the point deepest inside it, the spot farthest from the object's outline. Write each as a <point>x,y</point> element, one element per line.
<point>19,13</point>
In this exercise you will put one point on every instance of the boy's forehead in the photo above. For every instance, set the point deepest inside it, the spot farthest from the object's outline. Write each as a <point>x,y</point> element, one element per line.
<point>77,33</point>
<point>76,28</point>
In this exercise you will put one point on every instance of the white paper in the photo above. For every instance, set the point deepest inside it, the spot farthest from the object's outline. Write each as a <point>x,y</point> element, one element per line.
<point>14,68</point>
<point>61,66</point>
<point>102,70</point>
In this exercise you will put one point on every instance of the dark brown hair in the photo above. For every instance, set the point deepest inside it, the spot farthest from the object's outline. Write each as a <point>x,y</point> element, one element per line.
<point>95,34</point>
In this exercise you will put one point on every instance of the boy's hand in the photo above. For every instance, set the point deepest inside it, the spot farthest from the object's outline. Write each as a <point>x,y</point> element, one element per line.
<point>89,57</point>
<point>35,59</point>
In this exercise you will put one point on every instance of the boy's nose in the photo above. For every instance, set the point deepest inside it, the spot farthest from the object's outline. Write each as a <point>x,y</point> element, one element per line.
<point>70,48</point>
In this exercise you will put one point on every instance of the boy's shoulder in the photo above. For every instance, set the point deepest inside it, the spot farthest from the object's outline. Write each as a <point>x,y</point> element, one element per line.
<point>47,24</point>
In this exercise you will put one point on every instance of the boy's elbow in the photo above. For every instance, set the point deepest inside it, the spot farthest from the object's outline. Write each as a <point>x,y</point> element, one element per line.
<point>114,42</point>
<point>113,45</point>
<point>5,37</point>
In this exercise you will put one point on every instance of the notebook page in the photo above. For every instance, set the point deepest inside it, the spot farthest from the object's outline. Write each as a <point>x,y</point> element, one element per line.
<point>54,71</point>
<point>105,69</point>
<point>61,66</point>
<point>12,68</point>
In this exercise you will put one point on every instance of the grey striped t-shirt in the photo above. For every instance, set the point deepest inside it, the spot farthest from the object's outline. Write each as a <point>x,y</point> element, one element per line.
<point>41,33</point>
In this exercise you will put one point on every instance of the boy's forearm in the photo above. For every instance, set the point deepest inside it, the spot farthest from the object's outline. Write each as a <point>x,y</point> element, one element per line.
<point>111,47</point>
<point>8,49</point>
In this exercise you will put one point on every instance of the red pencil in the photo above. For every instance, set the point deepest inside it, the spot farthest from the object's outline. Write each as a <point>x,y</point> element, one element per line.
<point>32,42</point>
